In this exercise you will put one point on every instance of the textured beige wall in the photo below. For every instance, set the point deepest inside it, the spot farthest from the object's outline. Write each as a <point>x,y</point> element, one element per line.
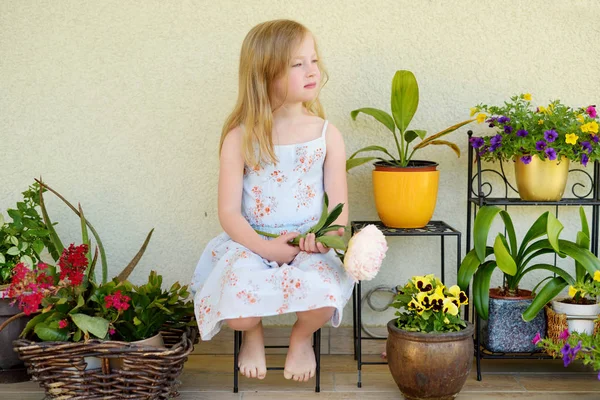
<point>119,105</point>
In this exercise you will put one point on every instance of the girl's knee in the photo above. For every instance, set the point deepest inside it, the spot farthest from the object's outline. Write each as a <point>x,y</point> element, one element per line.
<point>242,324</point>
<point>324,312</point>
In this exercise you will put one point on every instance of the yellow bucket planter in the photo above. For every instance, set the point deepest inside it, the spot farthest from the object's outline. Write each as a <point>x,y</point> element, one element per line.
<point>405,197</point>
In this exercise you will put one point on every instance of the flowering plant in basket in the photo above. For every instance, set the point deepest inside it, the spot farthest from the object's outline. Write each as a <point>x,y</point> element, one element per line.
<point>365,251</point>
<point>549,132</point>
<point>429,306</point>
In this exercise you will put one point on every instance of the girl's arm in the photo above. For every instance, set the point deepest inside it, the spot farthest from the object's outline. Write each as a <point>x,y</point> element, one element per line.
<point>334,173</point>
<point>231,175</point>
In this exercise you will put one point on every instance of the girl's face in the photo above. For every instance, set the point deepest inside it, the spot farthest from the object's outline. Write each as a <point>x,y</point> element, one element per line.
<point>303,73</point>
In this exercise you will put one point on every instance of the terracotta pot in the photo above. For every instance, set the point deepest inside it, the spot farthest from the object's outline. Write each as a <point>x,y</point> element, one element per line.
<point>405,197</point>
<point>541,180</point>
<point>429,365</point>
<point>505,330</point>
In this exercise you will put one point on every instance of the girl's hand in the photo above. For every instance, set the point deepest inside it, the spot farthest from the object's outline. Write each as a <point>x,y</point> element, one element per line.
<point>310,245</point>
<point>280,251</point>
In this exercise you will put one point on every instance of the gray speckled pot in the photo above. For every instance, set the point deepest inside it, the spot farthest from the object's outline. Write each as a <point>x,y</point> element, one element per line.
<point>506,331</point>
<point>12,368</point>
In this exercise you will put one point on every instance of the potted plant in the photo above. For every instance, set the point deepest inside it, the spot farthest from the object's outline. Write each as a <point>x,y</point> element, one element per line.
<point>508,307</point>
<point>572,346</point>
<point>541,141</point>
<point>429,347</point>
<point>23,238</point>
<point>405,189</point>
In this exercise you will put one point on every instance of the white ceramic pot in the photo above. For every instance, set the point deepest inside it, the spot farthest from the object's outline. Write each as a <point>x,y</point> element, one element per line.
<point>580,317</point>
<point>154,341</point>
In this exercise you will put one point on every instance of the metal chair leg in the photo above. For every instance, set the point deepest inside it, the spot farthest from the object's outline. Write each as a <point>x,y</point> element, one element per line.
<point>317,348</point>
<point>237,342</point>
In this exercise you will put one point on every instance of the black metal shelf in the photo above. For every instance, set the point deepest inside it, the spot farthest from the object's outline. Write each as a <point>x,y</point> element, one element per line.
<point>479,194</point>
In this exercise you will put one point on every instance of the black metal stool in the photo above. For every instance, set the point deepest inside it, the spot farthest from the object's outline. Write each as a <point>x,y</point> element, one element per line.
<point>237,343</point>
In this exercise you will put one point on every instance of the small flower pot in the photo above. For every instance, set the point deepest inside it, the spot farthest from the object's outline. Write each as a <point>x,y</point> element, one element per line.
<point>580,317</point>
<point>12,368</point>
<point>405,197</point>
<point>541,180</point>
<point>429,365</point>
<point>154,341</point>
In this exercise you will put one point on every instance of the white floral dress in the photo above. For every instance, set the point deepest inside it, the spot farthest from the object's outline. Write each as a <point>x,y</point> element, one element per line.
<point>231,281</point>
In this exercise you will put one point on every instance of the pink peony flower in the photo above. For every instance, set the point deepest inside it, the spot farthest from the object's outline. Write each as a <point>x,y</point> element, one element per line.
<point>365,253</point>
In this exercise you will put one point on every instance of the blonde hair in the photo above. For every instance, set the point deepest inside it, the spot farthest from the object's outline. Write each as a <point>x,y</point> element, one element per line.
<point>265,56</point>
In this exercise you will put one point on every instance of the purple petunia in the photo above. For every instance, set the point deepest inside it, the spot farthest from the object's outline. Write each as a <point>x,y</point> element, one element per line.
<point>550,153</point>
<point>476,142</point>
<point>495,142</point>
<point>564,335</point>
<point>522,133</point>
<point>550,135</point>
<point>569,353</point>
<point>540,145</point>
<point>595,139</point>
<point>587,146</point>
<point>526,159</point>
<point>503,120</point>
<point>508,129</point>
<point>584,159</point>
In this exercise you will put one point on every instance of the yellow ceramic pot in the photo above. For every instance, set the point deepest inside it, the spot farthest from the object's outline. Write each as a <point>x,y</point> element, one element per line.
<point>541,180</point>
<point>406,197</point>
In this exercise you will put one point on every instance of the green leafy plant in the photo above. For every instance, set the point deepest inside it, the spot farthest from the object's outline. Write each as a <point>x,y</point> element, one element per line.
<point>428,306</point>
<point>23,239</point>
<point>515,261</point>
<point>404,103</point>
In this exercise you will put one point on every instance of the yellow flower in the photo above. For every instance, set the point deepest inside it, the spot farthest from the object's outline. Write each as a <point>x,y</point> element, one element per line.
<point>437,301</point>
<point>572,291</point>
<point>454,290</point>
<point>580,118</point>
<point>597,276</point>
<point>481,118</point>
<point>423,283</point>
<point>585,128</point>
<point>550,109</point>
<point>541,109</point>
<point>440,290</point>
<point>593,126</point>
<point>571,138</point>
<point>474,111</point>
<point>540,122</point>
<point>450,307</point>
<point>527,96</point>
<point>416,306</point>
<point>424,301</point>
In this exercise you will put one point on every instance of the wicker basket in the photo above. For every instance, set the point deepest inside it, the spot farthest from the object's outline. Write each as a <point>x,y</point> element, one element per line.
<point>557,323</point>
<point>147,372</point>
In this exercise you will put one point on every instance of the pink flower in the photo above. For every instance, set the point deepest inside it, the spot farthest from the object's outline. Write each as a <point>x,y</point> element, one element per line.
<point>73,263</point>
<point>111,332</point>
<point>537,338</point>
<point>63,323</point>
<point>591,111</point>
<point>365,253</point>
<point>564,335</point>
<point>117,300</point>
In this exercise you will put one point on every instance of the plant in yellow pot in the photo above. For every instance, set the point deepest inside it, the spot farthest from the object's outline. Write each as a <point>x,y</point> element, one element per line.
<point>541,141</point>
<point>405,190</point>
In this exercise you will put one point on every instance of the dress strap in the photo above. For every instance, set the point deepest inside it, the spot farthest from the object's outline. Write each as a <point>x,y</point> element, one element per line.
<point>324,128</point>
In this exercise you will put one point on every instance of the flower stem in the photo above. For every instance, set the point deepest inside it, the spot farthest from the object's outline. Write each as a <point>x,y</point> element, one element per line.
<point>273,235</point>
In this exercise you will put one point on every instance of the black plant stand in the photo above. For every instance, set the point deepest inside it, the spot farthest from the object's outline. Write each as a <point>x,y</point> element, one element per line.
<point>433,228</point>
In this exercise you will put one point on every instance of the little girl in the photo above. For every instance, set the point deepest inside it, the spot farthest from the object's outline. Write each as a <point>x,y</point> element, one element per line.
<point>277,159</point>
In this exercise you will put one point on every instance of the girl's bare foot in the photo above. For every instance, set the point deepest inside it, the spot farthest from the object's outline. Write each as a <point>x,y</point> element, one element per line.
<point>251,360</point>
<point>300,364</point>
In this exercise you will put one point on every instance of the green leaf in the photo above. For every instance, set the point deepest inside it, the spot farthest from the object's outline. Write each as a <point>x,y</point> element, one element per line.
<point>2,259</point>
<point>33,322</point>
<point>481,288</point>
<point>503,258</point>
<point>411,135</point>
<point>537,229</point>
<point>453,146</point>
<point>438,135</point>
<point>481,229</point>
<point>80,303</point>
<point>324,213</point>
<point>13,251</point>
<point>553,227</point>
<point>381,116</point>
<point>548,292</point>
<point>136,321</point>
<point>372,148</point>
<point>77,336</point>
<point>355,162</point>
<point>47,334</point>
<point>58,246</point>
<point>334,214</point>
<point>38,246</point>
<point>510,231</point>
<point>1,220</point>
<point>405,98</point>
<point>468,267</point>
<point>584,222</point>
<point>95,325</point>
<point>588,261</point>
<point>555,270</point>
<point>14,240</point>
<point>130,267</point>
<point>27,260</point>
<point>333,242</point>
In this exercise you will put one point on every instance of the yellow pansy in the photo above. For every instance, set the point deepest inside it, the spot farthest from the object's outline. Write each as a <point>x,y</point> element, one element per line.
<point>572,291</point>
<point>481,118</point>
<point>540,122</point>
<point>597,276</point>
<point>416,306</point>
<point>422,283</point>
<point>454,290</point>
<point>580,118</point>
<point>440,290</point>
<point>474,111</point>
<point>593,126</point>
<point>450,307</point>
<point>437,302</point>
<point>527,96</point>
<point>424,300</point>
<point>571,138</point>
